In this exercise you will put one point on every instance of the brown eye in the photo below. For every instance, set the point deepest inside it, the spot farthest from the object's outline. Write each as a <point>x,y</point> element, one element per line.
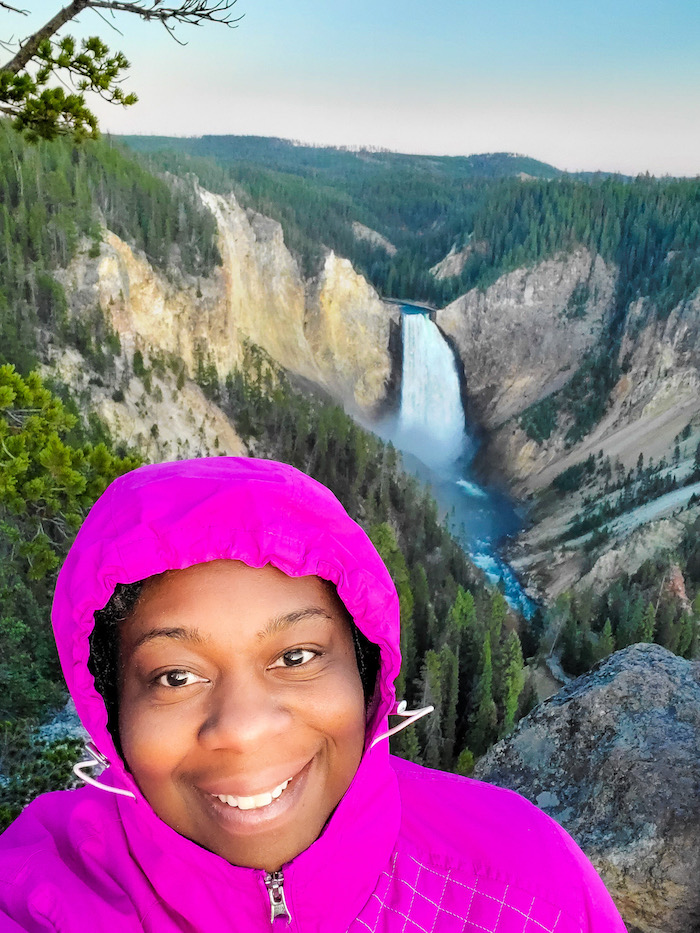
<point>177,679</point>
<point>295,658</point>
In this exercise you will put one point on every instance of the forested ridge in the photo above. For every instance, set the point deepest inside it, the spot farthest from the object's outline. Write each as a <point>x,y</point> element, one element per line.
<point>52,195</point>
<point>425,205</point>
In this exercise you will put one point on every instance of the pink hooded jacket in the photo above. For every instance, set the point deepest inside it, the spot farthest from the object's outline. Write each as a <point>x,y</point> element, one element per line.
<point>407,849</point>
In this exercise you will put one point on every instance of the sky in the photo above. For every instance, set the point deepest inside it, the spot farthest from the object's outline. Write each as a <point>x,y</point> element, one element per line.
<point>611,86</point>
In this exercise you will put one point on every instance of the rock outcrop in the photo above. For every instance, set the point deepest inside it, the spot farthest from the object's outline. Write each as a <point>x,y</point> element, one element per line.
<point>161,417</point>
<point>615,758</point>
<point>453,263</point>
<point>373,237</point>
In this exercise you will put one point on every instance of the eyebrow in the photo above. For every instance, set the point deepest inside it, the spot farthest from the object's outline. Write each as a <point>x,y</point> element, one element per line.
<point>287,619</point>
<point>194,636</point>
<point>179,633</point>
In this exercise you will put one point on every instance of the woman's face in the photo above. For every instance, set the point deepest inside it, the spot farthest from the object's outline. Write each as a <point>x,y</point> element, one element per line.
<point>241,711</point>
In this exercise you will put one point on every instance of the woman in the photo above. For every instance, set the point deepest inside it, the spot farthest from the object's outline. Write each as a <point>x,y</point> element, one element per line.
<point>232,686</point>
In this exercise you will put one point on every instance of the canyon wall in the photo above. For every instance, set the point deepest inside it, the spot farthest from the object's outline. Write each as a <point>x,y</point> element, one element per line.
<point>523,337</point>
<point>333,330</point>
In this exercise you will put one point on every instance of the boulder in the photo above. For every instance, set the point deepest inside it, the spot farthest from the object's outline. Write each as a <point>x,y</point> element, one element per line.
<point>614,757</point>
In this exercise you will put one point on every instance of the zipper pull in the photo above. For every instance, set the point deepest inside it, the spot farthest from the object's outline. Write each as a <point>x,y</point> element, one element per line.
<point>278,907</point>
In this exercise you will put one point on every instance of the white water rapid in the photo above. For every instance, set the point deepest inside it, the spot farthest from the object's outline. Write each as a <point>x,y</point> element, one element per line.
<point>431,417</point>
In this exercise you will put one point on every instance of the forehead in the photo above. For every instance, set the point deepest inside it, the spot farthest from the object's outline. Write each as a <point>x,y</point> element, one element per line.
<point>207,592</point>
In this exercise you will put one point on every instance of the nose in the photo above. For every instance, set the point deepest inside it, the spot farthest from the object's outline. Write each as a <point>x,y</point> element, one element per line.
<point>242,714</point>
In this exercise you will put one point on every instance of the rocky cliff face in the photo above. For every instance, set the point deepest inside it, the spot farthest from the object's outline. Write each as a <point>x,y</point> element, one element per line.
<point>373,237</point>
<point>334,331</point>
<point>614,758</point>
<point>655,398</point>
<point>524,336</point>
<point>161,415</point>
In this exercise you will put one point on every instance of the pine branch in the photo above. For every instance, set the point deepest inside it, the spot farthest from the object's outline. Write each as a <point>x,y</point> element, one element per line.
<point>30,47</point>
<point>191,12</point>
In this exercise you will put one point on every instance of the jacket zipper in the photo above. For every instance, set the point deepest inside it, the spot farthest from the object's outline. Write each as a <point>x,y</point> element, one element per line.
<point>274,882</point>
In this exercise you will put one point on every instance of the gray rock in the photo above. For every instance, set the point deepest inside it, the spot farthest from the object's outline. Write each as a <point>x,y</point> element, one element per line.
<point>615,758</point>
<point>64,725</point>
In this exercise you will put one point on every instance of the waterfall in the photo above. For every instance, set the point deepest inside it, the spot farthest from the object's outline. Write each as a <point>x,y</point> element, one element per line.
<point>431,418</point>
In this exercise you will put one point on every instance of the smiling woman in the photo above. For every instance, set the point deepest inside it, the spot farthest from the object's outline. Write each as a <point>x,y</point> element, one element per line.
<point>241,710</point>
<point>230,637</point>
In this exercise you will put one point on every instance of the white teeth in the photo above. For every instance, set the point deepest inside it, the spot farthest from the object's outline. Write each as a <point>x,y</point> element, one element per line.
<point>252,803</point>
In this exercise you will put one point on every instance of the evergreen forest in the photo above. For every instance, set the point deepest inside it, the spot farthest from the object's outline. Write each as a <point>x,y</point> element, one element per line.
<point>512,211</point>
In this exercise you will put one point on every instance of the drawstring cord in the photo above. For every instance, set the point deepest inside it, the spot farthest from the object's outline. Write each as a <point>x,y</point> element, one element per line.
<point>97,758</point>
<point>410,716</point>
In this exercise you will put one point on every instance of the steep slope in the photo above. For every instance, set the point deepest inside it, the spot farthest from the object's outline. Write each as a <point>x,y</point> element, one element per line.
<point>655,397</point>
<point>523,337</point>
<point>333,330</point>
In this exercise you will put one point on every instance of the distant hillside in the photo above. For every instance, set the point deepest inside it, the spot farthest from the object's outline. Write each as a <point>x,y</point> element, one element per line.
<point>498,211</point>
<point>330,162</point>
<point>422,205</point>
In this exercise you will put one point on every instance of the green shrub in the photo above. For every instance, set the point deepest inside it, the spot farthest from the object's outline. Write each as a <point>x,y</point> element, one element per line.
<point>30,766</point>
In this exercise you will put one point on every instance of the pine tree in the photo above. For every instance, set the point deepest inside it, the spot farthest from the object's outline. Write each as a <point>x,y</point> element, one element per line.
<point>499,611</point>
<point>484,723</point>
<point>648,624</point>
<point>571,647</point>
<point>449,673</point>
<point>465,762</point>
<point>432,695</point>
<point>384,539</point>
<point>606,642</point>
<point>686,635</point>
<point>513,680</point>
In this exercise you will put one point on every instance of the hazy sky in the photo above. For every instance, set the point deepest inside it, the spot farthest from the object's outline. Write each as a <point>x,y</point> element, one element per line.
<point>609,85</point>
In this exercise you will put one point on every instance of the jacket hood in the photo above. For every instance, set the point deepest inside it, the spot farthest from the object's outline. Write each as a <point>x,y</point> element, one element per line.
<point>170,516</point>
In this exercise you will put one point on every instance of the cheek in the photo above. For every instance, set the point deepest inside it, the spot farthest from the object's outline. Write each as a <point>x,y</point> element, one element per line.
<point>153,741</point>
<point>342,717</point>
